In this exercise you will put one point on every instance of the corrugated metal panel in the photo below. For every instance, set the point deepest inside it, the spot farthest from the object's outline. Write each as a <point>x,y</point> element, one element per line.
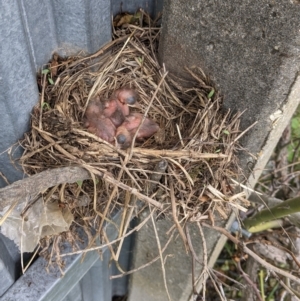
<point>30,31</point>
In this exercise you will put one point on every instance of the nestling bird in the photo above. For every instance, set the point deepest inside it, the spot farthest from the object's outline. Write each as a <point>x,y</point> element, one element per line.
<point>97,123</point>
<point>102,127</point>
<point>116,108</point>
<point>94,108</point>
<point>127,130</point>
<point>104,117</point>
<point>116,111</point>
<point>126,96</point>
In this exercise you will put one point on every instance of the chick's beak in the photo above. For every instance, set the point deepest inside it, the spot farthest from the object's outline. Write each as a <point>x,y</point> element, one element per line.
<point>126,95</point>
<point>135,105</point>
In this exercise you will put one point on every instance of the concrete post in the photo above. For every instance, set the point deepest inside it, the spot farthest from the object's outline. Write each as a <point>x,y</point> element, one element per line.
<point>251,49</point>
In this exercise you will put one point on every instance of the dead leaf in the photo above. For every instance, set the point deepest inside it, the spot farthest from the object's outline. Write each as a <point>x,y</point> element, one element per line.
<point>127,19</point>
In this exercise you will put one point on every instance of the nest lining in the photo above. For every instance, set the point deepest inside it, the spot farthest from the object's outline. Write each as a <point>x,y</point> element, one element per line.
<point>190,160</point>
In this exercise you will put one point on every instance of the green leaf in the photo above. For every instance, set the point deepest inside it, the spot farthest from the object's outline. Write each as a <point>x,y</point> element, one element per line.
<point>79,183</point>
<point>295,123</point>
<point>45,105</point>
<point>211,93</point>
<point>137,15</point>
<point>218,150</point>
<point>226,132</point>
<point>45,71</point>
<point>225,267</point>
<point>50,80</point>
<point>228,248</point>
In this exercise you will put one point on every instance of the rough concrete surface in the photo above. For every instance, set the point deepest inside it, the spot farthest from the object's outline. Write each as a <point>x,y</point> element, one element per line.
<point>148,283</point>
<point>251,49</point>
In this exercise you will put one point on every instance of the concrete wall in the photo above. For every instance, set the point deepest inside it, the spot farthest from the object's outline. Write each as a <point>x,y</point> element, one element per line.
<point>251,49</point>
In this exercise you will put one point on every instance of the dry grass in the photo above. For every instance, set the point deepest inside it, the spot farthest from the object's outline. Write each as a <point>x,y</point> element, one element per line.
<point>184,170</point>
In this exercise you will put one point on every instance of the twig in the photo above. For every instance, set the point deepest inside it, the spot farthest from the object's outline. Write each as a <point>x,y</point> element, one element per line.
<point>32,186</point>
<point>194,257</point>
<point>146,112</point>
<point>4,177</point>
<point>227,277</point>
<point>148,263</point>
<point>179,134</point>
<point>137,228</point>
<point>289,289</point>
<point>112,195</point>
<point>123,186</point>
<point>174,214</point>
<point>252,254</point>
<point>161,257</point>
<point>8,212</point>
<point>218,289</point>
<point>87,134</point>
<point>204,256</point>
<point>99,52</point>
<point>124,227</point>
<point>250,282</point>
<point>30,261</point>
<point>47,137</point>
<point>276,245</point>
<point>244,132</point>
<point>23,233</point>
<point>38,198</point>
<point>184,154</point>
<point>102,215</point>
<point>113,254</point>
<point>42,101</point>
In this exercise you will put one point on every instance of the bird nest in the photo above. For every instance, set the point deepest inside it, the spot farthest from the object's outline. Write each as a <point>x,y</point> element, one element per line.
<point>184,170</point>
